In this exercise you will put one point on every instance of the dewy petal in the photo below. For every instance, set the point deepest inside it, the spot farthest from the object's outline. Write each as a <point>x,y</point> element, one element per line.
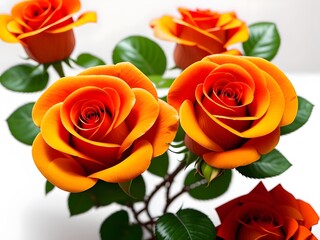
<point>6,35</point>
<point>141,118</point>
<point>291,100</point>
<point>83,18</point>
<point>189,123</point>
<point>127,72</point>
<point>131,167</point>
<point>63,172</point>
<point>232,158</point>
<point>62,88</point>
<point>164,130</point>
<point>184,85</point>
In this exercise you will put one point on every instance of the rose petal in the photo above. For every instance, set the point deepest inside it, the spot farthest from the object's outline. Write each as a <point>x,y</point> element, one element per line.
<point>70,117</point>
<point>236,35</point>
<point>57,137</point>
<point>183,87</point>
<point>64,172</point>
<point>6,35</point>
<point>189,123</point>
<point>127,72</point>
<point>131,167</point>
<point>62,88</point>
<point>304,233</point>
<point>164,129</point>
<point>310,216</point>
<point>266,143</point>
<point>261,99</point>
<point>290,226</point>
<point>83,18</point>
<point>290,96</point>
<point>141,118</point>
<point>230,159</point>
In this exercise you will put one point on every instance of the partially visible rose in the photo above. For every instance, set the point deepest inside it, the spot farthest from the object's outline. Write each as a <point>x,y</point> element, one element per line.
<point>263,214</point>
<point>232,107</point>
<point>106,123</point>
<point>44,27</point>
<point>199,33</point>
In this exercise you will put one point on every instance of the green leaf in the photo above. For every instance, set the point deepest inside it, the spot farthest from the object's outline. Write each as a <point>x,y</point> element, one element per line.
<point>159,165</point>
<point>137,190</point>
<point>117,226</point>
<point>21,124</point>
<point>24,78</point>
<point>304,112</point>
<point>187,224</point>
<point>49,187</point>
<point>161,82</point>
<point>202,191</point>
<point>103,193</point>
<point>180,134</point>
<point>88,60</point>
<point>126,187</point>
<point>264,40</point>
<point>79,203</point>
<point>269,165</point>
<point>142,52</point>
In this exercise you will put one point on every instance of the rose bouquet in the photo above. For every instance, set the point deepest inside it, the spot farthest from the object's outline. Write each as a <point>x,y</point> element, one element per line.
<point>101,134</point>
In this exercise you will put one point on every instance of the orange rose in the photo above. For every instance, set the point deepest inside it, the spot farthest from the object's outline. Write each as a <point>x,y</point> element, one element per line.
<point>44,28</point>
<point>261,214</point>
<point>106,123</point>
<point>232,107</point>
<point>200,33</point>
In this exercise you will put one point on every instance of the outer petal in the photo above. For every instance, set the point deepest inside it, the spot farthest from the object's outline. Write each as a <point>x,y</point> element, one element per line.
<point>191,126</point>
<point>310,216</point>
<point>64,172</point>
<point>6,35</point>
<point>141,118</point>
<point>131,167</point>
<point>302,233</point>
<point>233,158</point>
<point>164,130</point>
<point>127,72</point>
<point>290,96</point>
<point>62,88</point>
<point>83,18</point>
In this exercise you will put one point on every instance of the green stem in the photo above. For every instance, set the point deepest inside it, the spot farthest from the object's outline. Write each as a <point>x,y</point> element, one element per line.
<point>59,69</point>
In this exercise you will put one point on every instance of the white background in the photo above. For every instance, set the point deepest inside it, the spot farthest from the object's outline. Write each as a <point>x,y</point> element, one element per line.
<point>27,214</point>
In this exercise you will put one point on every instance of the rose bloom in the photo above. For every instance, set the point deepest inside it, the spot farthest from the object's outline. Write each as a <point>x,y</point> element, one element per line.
<point>232,107</point>
<point>200,33</point>
<point>260,214</point>
<point>106,123</point>
<point>44,28</point>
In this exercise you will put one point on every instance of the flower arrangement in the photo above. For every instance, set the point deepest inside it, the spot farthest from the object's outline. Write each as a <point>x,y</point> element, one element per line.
<point>101,133</point>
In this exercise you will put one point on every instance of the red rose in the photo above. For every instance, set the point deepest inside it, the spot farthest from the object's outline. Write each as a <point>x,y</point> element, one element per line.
<point>263,214</point>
